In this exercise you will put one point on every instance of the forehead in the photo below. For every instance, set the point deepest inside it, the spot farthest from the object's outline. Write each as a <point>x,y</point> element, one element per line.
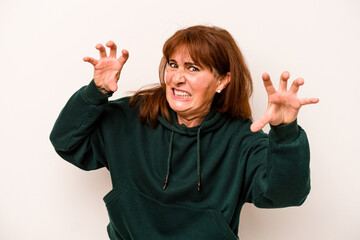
<point>181,54</point>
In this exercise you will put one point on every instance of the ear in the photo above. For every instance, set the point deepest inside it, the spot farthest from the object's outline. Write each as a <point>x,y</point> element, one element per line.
<point>223,82</point>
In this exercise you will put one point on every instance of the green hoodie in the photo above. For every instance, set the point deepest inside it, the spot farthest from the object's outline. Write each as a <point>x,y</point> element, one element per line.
<point>211,169</point>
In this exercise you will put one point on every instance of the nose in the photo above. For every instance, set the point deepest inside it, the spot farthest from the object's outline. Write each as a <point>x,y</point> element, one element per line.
<point>179,77</point>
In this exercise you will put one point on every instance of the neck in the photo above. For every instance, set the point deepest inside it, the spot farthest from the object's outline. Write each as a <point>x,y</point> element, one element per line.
<point>191,121</point>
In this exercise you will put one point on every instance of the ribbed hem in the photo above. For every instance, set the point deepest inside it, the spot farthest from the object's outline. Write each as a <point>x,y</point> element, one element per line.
<point>93,95</point>
<point>285,132</point>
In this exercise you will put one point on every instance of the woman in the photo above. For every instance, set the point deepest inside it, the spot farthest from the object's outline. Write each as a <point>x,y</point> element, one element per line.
<point>182,157</point>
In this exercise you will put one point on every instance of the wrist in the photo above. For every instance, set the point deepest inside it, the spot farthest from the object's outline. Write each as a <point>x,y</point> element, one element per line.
<point>92,94</point>
<point>285,132</point>
<point>105,91</point>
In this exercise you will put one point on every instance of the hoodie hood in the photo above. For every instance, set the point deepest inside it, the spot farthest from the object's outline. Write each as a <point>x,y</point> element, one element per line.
<point>211,122</point>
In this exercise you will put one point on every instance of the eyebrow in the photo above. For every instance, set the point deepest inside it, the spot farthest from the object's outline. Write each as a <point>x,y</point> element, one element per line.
<point>186,63</point>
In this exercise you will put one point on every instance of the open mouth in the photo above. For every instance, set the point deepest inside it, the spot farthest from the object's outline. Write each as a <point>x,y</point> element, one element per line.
<point>181,94</point>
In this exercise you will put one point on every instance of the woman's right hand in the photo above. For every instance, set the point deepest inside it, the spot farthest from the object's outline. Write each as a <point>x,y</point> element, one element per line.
<point>107,69</point>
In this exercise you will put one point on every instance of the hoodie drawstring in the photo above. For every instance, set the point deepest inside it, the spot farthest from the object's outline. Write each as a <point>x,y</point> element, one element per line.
<point>169,160</point>
<point>198,160</point>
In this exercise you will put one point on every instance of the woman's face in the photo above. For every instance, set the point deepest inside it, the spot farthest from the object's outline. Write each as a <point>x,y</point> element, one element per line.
<point>190,89</point>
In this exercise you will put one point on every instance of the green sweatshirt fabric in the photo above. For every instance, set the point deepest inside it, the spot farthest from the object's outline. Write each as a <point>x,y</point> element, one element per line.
<point>211,169</point>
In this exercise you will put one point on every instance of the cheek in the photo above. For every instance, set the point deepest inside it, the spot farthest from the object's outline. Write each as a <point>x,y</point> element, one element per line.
<point>168,89</point>
<point>205,91</point>
<point>168,77</point>
<point>202,86</point>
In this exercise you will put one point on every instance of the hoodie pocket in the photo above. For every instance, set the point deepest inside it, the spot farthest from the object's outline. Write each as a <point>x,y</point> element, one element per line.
<point>134,215</point>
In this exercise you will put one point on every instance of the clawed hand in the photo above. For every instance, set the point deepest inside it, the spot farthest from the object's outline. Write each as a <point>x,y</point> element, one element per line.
<point>107,69</point>
<point>283,105</point>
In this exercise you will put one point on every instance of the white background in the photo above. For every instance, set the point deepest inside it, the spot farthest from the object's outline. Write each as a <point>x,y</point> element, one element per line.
<point>42,43</point>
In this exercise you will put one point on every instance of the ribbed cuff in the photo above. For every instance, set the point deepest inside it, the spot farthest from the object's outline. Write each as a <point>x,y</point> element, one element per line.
<point>285,132</point>
<point>93,95</point>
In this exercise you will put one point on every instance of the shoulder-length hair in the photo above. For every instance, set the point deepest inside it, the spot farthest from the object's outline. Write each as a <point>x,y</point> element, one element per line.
<point>215,49</point>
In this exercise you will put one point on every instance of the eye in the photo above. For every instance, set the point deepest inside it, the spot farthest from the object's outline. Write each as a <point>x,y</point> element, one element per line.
<point>172,65</point>
<point>194,69</point>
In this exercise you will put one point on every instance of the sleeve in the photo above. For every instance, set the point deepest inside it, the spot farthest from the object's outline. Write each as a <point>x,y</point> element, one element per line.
<point>277,171</point>
<point>76,135</point>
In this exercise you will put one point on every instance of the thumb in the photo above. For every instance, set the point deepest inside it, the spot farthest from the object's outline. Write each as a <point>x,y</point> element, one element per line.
<point>259,124</point>
<point>113,86</point>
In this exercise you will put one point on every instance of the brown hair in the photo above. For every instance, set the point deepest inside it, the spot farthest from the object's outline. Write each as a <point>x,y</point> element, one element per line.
<point>215,49</point>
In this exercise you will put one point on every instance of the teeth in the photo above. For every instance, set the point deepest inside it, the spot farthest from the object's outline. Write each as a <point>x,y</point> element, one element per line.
<point>181,94</point>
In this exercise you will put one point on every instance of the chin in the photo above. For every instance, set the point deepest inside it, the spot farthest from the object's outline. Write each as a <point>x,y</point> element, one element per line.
<point>178,106</point>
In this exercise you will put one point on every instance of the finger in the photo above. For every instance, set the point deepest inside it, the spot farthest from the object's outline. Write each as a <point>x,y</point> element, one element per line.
<point>296,84</point>
<point>117,76</point>
<point>124,57</point>
<point>306,101</point>
<point>101,49</point>
<point>90,60</point>
<point>283,81</point>
<point>259,124</point>
<point>268,84</point>
<point>113,48</point>
<point>112,86</point>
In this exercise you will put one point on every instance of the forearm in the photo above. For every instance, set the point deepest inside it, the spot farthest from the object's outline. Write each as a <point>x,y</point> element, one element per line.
<point>285,181</point>
<point>73,135</point>
<point>77,117</point>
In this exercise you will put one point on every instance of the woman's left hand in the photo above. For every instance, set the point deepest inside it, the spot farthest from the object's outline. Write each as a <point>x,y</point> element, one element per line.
<point>283,105</point>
